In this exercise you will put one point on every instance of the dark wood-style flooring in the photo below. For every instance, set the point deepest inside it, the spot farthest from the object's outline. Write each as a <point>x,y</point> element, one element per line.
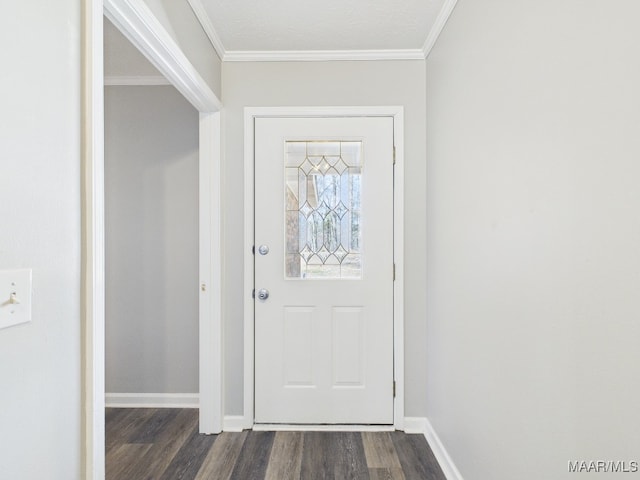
<point>164,444</point>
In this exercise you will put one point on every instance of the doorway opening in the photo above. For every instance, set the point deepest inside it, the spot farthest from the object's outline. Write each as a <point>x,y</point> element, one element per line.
<point>151,246</point>
<point>137,23</point>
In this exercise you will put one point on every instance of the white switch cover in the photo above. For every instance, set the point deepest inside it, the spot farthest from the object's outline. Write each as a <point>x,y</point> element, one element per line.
<point>15,297</point>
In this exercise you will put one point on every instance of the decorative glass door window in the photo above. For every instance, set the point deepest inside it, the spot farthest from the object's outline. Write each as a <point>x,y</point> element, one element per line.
<point>323,192</point>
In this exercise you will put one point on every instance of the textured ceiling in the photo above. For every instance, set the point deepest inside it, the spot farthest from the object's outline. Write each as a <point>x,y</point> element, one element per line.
<point>258,25</point>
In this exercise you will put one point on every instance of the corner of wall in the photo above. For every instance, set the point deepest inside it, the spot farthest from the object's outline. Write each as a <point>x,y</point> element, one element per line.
<point>422,425</point>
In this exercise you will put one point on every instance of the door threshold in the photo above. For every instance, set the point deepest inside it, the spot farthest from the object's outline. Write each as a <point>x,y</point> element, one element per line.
<point>282,427</point>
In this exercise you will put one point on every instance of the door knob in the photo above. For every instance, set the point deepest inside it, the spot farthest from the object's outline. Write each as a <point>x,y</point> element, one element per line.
<point>263,249</point>
<point>263,294</point>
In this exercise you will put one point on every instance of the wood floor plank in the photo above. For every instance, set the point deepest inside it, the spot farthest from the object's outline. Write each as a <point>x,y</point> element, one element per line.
<point>316,456</point>
<point>416,458</point>
<point>379,450</point>
<point>154,426</point>
<point>285,460</point>
<point>115,424</point>
<point>187,462</point>
<point>125,425</point>
<point>254,456</point>
<point>168,443</point>
<point>113,415</point>
<point>386,474</point>
<point>348,456</point>
<point>222,457</point>
<point>121,461</point>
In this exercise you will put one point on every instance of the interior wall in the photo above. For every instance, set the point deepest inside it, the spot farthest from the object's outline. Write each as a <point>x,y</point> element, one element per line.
<point>151,230</point>
<point>363,83</point>
<point>182,24</point>
<point>40,365</point>
<point>121,58</point>
<point>533,110</point>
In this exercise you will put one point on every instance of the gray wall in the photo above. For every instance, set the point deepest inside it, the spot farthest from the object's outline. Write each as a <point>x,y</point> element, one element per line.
<point>151,191</point>
<point>316,84</point>
<point>121,58</point>
<point>533,141</point>
<point>40,362</point>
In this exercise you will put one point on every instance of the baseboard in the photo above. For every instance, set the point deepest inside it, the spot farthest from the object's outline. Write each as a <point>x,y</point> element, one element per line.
<point>233,423</point>
<point>415,425</point>
<point>152,400</point>
<point>422,426</point>
<point>446,463</point>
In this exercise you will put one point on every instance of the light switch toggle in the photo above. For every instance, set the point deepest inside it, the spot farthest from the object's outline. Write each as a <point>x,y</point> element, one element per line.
<point>15,297</point>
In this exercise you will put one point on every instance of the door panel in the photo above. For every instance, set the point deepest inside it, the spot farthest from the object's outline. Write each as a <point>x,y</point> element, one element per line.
<point>324,220</point>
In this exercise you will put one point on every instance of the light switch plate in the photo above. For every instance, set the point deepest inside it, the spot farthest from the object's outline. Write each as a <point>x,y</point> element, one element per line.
<point>15,297</point>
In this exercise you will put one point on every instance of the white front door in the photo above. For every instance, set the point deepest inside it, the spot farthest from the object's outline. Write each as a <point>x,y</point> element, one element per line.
<point>324,270</point>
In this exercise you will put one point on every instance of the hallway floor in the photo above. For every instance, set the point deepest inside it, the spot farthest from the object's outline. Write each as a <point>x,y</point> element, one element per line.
<point>164,444</point>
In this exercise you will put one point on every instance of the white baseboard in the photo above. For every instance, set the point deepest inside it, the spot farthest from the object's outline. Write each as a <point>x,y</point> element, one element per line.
<point>415,425</point>
<point>422,426</point>
<point>233,423</point>
<point>446,463</point>
<point>152,400</point>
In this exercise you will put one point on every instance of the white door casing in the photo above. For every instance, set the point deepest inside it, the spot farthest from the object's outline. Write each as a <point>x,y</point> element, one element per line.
<point>324,347</point>
<point>137,23</point>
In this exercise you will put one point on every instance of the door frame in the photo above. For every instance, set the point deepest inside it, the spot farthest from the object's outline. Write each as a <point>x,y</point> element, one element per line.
<point>136,21</point>
<point>250,114</point>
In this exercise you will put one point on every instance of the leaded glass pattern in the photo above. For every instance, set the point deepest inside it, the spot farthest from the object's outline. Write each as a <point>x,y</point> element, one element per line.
<point>323,202</point>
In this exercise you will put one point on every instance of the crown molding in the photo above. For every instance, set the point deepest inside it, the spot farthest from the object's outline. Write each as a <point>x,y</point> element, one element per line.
<point>438,25</point>
<point>207,26</point>
<point>137,80</point>
<point>321,55</point>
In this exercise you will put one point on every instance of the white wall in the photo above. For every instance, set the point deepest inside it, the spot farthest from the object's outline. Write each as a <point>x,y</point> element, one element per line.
<point>40,210</point>
<point>151,225</point>
<point>533,234</point>
<point>183,25</point>
<point>317,84</point>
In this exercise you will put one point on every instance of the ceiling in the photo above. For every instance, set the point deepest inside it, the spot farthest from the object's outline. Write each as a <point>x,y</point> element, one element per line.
<point>262,27</point>
<point>298,30</point>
